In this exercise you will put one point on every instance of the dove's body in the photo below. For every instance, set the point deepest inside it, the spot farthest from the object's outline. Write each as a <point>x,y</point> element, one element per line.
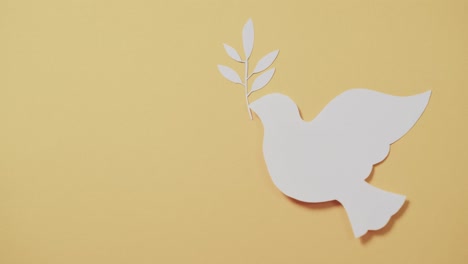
<point>330,157</point>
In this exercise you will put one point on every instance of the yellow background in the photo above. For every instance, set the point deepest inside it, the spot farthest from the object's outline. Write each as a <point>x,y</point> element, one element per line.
<point>120,142</point>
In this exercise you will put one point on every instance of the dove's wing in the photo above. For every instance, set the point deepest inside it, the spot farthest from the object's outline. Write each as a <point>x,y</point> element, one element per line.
<point>362,123</point>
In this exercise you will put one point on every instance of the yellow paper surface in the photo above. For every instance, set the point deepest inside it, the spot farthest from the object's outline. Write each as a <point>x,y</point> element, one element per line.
<point>120,142</point>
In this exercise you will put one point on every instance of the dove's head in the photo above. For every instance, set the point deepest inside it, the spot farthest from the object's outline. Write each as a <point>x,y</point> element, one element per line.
<point>275,108</point>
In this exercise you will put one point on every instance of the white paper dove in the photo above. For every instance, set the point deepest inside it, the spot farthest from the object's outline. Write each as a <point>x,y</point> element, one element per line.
<point>330,157</point>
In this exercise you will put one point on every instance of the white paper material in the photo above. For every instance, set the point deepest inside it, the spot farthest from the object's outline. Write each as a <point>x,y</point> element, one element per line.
<point>232,53</point>
<point>266,61</point>
<point>229,74</point>
<point>248,38</point>
<point>330,157</point>
<point>263,64</point>
<point>262,80</point>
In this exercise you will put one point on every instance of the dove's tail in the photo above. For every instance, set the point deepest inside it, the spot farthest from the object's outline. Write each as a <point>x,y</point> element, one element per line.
<point>370,208</point>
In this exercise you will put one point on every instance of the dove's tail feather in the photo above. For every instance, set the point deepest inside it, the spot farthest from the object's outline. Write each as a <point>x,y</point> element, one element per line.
<point>370,208</point>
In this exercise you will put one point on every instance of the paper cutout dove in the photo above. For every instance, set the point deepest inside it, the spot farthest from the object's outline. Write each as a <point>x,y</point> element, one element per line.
<point>330,157</point>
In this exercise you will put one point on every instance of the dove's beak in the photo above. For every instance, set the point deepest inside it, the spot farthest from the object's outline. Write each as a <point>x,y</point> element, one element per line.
<point>258,107</point>
<point>253,106</point>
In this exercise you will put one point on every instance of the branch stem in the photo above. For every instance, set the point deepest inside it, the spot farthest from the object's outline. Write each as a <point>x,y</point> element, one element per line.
<point>246,86</point>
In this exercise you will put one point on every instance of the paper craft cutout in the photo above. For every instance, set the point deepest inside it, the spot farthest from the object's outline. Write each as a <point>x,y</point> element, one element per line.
<point>263,64</point>
<point>330,157</point>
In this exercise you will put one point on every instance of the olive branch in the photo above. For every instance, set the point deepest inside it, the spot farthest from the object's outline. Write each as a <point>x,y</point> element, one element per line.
<point>263,64</point>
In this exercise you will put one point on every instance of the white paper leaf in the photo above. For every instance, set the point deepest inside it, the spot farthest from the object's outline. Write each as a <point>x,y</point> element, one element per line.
<point>229,74</point>
<point>266,61</point>
<point>232,53</point>
<point>262,80</point>
<point>248,38</point>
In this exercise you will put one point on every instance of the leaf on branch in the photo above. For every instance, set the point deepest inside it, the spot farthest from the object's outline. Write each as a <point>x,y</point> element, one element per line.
<point>229,74</point>
<point>266,61</point>
<point>232,53</point>
<point>262,80</point>
<point>248,38</point>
